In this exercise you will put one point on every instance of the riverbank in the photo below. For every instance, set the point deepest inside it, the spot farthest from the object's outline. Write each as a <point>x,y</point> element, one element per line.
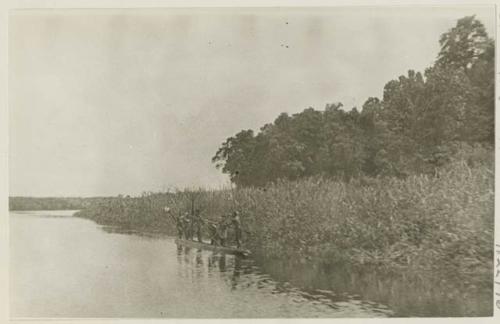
<point>433,235</point>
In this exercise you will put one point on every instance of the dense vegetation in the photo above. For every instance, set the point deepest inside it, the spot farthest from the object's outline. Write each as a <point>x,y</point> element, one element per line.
<point>434,233</point>
<point>143,213</point>
<point>405,186</point>
<point>421,122</point>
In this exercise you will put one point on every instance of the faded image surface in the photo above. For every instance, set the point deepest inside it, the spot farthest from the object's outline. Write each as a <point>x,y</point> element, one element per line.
<point>252,163</point>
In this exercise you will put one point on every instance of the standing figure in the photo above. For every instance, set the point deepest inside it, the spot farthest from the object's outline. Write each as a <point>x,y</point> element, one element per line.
<point>235,220</point>
<point>212,232</point>
<point>178,226</point>
<point>182,225</point>
<point>198,222</point>
<point>222,230</point>
<point>186,224</point>
<point>177,220</point>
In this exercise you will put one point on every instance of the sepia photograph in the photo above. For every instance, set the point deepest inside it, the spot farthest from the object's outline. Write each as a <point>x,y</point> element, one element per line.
<point>252,162</point>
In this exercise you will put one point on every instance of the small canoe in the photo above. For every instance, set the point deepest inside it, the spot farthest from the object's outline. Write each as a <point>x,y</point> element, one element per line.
<point>216,248</point>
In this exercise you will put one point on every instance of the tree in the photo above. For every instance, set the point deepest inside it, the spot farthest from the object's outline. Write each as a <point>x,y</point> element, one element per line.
<point>419,125</point>
<point>466,48</point>
<point>462,45</point>
<point>235,157</point>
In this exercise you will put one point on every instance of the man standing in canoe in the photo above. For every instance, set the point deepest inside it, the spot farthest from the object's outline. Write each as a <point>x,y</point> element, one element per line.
<point>235,220</point>
<point>222,230</point>
<point>212,232</point>
<point>186,226</point>
<point>177,220</point>
<point>198,222</point>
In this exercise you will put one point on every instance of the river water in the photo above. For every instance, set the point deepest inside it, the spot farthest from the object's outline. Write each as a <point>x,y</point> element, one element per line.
<point>64,266</point>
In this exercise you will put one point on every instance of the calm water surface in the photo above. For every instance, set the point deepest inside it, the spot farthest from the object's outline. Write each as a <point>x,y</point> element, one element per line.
<point>63,266</point>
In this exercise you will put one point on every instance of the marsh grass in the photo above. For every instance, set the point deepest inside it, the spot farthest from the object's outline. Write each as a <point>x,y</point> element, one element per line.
<point>434,233</point>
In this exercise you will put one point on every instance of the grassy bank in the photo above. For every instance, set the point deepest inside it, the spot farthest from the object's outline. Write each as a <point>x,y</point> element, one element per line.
<point>435,233</point>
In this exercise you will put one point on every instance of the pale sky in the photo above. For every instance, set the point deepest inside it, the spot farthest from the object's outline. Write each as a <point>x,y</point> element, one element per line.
<point>104,102</point>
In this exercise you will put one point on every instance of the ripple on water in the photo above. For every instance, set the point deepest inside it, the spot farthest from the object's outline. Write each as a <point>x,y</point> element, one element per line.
<point>63,264</point>
<point>283,299</point>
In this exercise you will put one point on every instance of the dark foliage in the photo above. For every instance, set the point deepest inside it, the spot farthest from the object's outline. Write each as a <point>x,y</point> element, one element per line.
<point>416,128</point>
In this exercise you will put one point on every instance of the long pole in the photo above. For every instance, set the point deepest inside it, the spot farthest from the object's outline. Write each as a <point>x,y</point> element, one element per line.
<point>232,195</point>
<point>192,203</point>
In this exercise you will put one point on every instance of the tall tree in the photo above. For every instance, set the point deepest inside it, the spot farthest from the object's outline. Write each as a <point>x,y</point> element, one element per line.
<point>419,125</point>
<point>462,45</point>
<point>235,157</point>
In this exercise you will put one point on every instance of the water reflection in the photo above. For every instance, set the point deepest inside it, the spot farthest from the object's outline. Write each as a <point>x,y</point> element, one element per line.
<point>126,231</point>
<point>243,274</point>
<point>74,268</point>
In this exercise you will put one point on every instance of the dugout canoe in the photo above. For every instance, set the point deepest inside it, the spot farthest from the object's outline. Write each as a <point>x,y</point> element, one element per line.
<point>206,246</point>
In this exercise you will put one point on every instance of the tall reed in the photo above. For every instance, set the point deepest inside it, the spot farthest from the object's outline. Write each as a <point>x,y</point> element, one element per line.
<point>436,230</point>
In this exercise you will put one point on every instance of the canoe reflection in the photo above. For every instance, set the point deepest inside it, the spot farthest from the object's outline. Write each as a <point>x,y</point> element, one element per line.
<point>243,274</point>
<point>118,272</point>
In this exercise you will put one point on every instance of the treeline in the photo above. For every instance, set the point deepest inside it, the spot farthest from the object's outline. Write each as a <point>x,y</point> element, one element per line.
<point>52,203</point>
<point>422,121</point>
